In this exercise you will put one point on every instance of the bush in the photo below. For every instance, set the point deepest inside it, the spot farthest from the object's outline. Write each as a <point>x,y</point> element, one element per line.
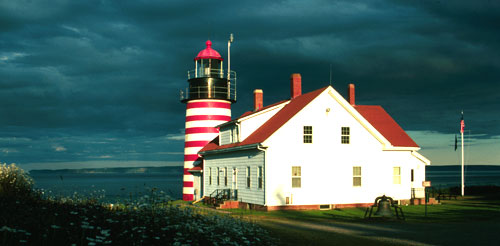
<point>14,181</point>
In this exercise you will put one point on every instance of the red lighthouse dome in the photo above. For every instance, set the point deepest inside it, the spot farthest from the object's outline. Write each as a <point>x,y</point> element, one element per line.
<point>208,53</point>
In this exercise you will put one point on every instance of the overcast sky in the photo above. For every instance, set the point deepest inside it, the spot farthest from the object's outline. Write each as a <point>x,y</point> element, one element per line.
<point>96,83</point>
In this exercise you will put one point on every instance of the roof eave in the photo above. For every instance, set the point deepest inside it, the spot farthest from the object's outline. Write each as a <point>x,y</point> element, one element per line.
<point>400,148</point>
<point>259,112</point>
<point>227,123</point>
<point>231,149</point>
<point>421,158</point>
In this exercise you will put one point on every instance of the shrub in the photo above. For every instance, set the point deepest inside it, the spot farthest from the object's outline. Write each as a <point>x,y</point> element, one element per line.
<point>14,181</point>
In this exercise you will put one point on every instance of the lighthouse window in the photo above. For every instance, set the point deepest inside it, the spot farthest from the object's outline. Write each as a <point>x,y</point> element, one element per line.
<point>345,135</point>
<point>308,134</point>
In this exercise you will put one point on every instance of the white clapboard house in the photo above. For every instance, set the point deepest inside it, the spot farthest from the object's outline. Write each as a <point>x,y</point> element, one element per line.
<point>316,150</point>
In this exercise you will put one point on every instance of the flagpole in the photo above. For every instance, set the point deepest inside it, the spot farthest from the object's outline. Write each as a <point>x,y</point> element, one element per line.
<point>462,134</point>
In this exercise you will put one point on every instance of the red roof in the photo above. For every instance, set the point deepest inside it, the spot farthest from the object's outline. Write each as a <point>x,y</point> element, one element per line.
<point>386,125</point>
<point>375,115</point>
<point>266,107</point>
<point>208,53</point>
<point>273,124</point>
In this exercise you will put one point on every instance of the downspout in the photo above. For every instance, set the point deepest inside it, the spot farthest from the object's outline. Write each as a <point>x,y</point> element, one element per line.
<point>263,149</point>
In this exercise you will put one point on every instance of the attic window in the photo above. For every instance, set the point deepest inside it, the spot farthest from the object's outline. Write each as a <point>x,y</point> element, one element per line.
<point>308,134</point>
<point>234,134</point>
<point>229,135</point>
<point>345,135</point>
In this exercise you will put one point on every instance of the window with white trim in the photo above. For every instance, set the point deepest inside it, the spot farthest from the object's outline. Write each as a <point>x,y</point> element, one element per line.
<point>356,176</point>
<point>396,175</point>
<point>234,134</point>
<point>296,177</point>
<point>210,176</point>
<point>259,177</point>
<point>225,176</point>
<point>218,176</point>
<point>248,177</point>
<point>308,134</point>
<point>345,137</point>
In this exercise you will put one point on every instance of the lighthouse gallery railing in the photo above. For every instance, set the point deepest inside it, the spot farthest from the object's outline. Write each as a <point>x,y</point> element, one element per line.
<point>216,92</point>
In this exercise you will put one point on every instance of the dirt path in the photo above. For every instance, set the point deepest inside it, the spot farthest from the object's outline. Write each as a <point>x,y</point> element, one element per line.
<point>397,233</point>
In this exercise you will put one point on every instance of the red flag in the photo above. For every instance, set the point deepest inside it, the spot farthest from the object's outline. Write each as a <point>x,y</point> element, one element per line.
<point>462,124</point>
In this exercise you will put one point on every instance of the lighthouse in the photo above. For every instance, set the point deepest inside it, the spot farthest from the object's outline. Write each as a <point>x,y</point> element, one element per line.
<point>208,99</point>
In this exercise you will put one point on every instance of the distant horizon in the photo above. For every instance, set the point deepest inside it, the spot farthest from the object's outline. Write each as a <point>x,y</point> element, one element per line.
<point>62,167</point>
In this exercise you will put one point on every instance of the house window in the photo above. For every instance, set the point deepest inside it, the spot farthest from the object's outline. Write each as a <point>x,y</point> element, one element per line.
<point>234,134</point>
<point>356,176</point>
<point>225,176</point>
<point>296,177</point>
<point>218,176</point>
<point>396,175</point>
<point>345,135</point>
<point>412,175</point>
<point>248,177</point>
<point>308,134</point>
<point>259,177</point>
<point>210,176</point>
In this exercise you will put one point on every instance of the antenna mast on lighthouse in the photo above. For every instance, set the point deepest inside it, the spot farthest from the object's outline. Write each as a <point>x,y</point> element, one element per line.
<point>231,38</point>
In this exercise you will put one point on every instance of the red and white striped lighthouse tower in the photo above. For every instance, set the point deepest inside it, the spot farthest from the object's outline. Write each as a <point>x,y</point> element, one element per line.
<point>209,97</point>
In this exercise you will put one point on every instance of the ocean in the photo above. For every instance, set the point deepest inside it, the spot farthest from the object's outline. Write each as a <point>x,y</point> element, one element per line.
<point>117,184</point>
<point>475,175</point>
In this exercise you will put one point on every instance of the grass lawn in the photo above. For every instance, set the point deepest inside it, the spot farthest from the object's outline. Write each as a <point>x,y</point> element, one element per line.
<point>471,220</point>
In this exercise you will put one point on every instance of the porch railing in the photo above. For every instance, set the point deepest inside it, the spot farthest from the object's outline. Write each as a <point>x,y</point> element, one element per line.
<point>218,196</point>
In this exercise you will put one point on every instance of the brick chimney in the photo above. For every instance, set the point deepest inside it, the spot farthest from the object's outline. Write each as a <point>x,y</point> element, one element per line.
<point>258,99</point>
<point>296,85</point>
<point>351,95</point>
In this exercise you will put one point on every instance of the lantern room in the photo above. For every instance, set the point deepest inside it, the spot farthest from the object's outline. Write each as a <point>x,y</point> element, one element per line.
<point>208,63</point>
<point>208,80</point>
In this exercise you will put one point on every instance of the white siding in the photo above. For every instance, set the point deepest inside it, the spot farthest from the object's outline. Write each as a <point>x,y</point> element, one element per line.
<point>225,136</point>
<point>250,124</point>
<point>239,160</point>
<point>327,165</point>
<point>229,134</point>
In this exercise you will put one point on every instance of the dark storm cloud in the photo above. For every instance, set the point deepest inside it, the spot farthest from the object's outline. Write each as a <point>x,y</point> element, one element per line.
<point>74,73</point>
